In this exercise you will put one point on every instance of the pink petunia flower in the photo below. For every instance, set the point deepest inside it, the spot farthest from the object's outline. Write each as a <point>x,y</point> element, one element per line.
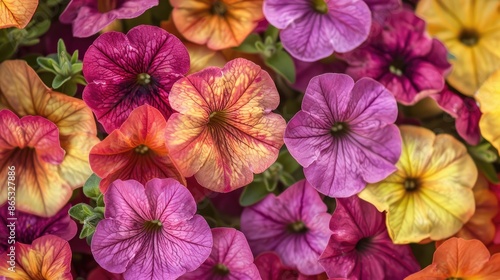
<point>344,136</point>
<point>231,259</point>
<point>29,227</point>
<point>126,71</point>
<point>360,247</point>
<point>381,9</point>
<point>402,57</point>
<point>294,225</point>
<point>312,30</point>
<point>91,16</point>
<point>151,232</point>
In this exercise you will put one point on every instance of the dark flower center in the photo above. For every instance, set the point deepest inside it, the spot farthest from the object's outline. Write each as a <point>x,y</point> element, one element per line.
<point>339,129</point>
<point>320,6</point>
<point>141,149</point>
<point>469,37</point>
<point>363,244</point>
<point>153,226</point>
<point>218,8</point>
<point>143,79</point>
<point>411,184</point>
<point>104,6</point>
<point>217,118</point>
<point>221,269</point>
<point>297,227</point>
<point>397,67</point>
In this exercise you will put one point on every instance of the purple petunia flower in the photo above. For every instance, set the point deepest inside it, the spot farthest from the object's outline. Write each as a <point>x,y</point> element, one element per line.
<point>126,71</point>
<point>383,8</point>
<point>294,225</point>
<point>360,247</point>
<point>402,57</point>
<point>231,259</point>
<point>312,30</point>
<point>91,16</point>
<point>345,136</point>
<point>30,227</point>
<point>308,70</point>
<point>151,232</point>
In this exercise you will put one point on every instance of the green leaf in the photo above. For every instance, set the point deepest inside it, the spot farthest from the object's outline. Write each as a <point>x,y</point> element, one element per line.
<point>46,64</point>
<point>282,64</point>
<point>74,57</point>
<point>91,187</point>
<point>61,47</point>
<point>7,49</point>
<point>488,170</point>
<point>287,179</point>
<point>253,193</point>
<point>69,88</point>
<point>288,162</point>
<point>100,201</point>
<point>272,32</point>
<point>89,239</point>
<point>79,79</point>
<point>81,212</point>
<point>249,46</point>
<point>59,80</point>
<point>87,230</point>
<point>76,68</point>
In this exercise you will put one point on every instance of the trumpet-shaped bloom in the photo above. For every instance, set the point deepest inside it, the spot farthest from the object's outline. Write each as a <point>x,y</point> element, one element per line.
<point>30,227</point>
<point>137,150</point>
<point>430,195</point>
<point>360,247</point>
<point>49,257</point>
<point>219,24</point>
<point>344,136</point>
<point>225,130</point>
<point>14,13</point>
<point>293,224</point>
<point>91,16</point>
<point>65,130</point>
<point>488,97</point>
<point>231,258</point>
<point>469,30</point>
<point>126,71</point>
<point>312,30</point>
<point>150,232</point>
<point>403,58</point>
<point>458,258</point>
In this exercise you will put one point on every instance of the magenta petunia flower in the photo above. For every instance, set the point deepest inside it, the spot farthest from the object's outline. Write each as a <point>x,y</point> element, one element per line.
<point>381,9</point>
<point>402,57</point>
<point>305,71</point>
<point>345,136</point>
<point>293,224</point>
<point>126,71</point>
<point>151,232</point>
<point>91,16</point>
<point>231,258</point>
<point>465,112</point>
<point>30,227</point>
<point>312,30</point>
<point>360,247</point>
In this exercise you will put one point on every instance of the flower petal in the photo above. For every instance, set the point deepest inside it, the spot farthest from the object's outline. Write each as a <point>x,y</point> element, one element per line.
<point>17,14</point>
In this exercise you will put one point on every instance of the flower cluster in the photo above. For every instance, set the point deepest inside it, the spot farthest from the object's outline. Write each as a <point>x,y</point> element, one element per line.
<point>249,139</point>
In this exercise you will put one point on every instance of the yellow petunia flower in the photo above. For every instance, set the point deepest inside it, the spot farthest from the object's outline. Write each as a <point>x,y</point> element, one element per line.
<point>430,195</point>
<point>470,30</point>
<point>488,97</point>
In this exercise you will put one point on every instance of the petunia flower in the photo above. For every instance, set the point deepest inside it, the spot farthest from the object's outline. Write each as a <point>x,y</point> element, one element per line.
<point>271,268</point>
<point>308,70</point>
<point>47,175</point>
<point>49,257</point>
<point>458,258</point>
<point>30,227</point>
<point>430,195</point>
<point>91,16</point>
<point>225,130</point>
<point>231,258</point>
<point>16,13</point>
<point>489,104</point>
<point>137,150</point>
<point>312,30</point>
<point>344,136</point>
<point>403,58</point>
<point>465,112</point>
<point>219,24</point>
<point>157,225</point>
<point>126,71</point>
<point>293,224</point>
<point>381,9</point>
<point>360,247</point>
<point>469,30</point>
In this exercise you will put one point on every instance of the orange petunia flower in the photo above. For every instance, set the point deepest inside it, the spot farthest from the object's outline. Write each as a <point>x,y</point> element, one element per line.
<point>219,24</point>
<point>41,190</point>
<point>225,130</point>
<point>16,13</point>
<point>48,257</point>
<point>462,259</point>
